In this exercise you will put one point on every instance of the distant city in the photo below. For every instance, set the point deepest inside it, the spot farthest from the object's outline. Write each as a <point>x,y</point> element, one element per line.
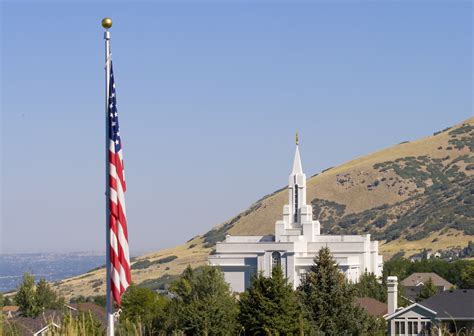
<point>50,266</point>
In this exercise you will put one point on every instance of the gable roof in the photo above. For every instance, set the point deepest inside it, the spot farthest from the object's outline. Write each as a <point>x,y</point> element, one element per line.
<point>452,304</point>
<point>403,310</point>
<point>373,307</point>
<point>417,278</point>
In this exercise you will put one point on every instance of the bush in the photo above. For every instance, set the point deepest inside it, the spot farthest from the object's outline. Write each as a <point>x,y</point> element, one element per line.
<point>165,259</point>
<point>141,264</point>
<point>417,236</point>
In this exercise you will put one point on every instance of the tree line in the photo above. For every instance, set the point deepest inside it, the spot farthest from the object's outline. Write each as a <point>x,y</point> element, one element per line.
<point>201,303</point>
<point>458,272</point>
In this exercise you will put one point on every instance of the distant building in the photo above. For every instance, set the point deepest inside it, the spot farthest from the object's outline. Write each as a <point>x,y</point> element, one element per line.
<point>415,283</point>
<point>296,241</point>
<point>450,311</point>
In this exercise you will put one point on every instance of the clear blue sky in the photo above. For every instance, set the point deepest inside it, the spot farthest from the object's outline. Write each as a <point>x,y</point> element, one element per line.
<point>210,95</point>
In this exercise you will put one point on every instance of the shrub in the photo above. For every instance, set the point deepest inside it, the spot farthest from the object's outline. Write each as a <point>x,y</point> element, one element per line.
<point>145,263</point>
<point>165,259</point>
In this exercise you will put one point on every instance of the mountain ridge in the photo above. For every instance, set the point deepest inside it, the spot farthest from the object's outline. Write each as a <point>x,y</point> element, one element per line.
<point>419,191</point>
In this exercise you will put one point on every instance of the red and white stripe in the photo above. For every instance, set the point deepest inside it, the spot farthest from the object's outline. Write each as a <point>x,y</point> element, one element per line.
<point>120,276</point>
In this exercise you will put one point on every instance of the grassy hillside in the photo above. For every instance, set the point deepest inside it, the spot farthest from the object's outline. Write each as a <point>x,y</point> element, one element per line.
<point>410,196</point>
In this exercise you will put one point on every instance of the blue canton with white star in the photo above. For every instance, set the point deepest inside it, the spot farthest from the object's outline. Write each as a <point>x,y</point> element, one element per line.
<point>114,131</point>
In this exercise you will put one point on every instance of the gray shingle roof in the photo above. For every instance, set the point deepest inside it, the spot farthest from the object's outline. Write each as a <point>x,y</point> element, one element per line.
<point>452,304</point>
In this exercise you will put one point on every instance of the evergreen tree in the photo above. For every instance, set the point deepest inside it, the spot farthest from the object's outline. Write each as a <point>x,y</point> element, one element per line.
<point>429,289</point>
<point>143,306</point>
<point>46,298</point>
<point>33,299</point>
<point>328,300</point>
<point>369,286</point>
<point>270,306</point>
<point>26,297</point>
<point>203,304</point>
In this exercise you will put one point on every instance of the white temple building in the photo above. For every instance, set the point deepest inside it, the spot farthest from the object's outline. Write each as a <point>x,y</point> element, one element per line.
<point>296,241</point>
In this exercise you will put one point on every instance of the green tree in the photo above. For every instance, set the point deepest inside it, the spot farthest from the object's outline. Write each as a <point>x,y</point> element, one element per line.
<point>400,267</point>
<point>450,271</point>
<point>34,298</point>
<point>270,306</point>
<point>203,304</point>
<point>46,298</point>
<point>26,297</point>
<point>429,289</point>
<point>370,286</point>
<point>143,306</point>
<point>467,277</point>
<point>328,300</point>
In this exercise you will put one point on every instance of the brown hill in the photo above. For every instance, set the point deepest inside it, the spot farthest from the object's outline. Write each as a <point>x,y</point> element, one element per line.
<point>411,196</point>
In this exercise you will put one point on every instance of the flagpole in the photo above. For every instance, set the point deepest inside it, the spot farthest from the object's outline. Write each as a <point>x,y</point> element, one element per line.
<point>107,23</point>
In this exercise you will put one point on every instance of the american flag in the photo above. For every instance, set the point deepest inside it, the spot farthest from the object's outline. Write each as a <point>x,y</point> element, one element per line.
<point>120,276</point>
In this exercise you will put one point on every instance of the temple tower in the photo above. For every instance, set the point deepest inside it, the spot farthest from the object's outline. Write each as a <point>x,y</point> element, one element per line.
<point>297,223</point>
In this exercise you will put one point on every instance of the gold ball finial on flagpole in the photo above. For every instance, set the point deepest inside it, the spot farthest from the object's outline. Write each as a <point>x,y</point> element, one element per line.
<point>107,23</point>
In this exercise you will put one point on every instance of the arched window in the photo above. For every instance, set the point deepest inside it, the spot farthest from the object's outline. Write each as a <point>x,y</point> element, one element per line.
<point>276,259</point>
<point>296,203</point>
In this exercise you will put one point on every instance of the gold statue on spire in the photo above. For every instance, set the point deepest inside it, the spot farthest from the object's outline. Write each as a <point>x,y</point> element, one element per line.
<point>297,139</point>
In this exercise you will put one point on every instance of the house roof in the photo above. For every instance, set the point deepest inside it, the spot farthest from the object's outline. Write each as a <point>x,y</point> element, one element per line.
<point>417,279</point>
<point>10,308</point>
<point>29,326</point>
<point>403,310</point>
<point>374,307</point>
<point>452,304</point>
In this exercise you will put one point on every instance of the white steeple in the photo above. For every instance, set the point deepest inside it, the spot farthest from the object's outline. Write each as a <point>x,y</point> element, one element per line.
<point>297,186</point>
<point>297,215</point>
<point>297,168</point>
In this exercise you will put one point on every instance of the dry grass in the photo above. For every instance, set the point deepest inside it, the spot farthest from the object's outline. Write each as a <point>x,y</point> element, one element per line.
<point>450,239</point>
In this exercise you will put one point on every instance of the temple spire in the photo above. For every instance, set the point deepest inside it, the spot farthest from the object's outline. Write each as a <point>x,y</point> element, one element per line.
<point>297,167</point>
